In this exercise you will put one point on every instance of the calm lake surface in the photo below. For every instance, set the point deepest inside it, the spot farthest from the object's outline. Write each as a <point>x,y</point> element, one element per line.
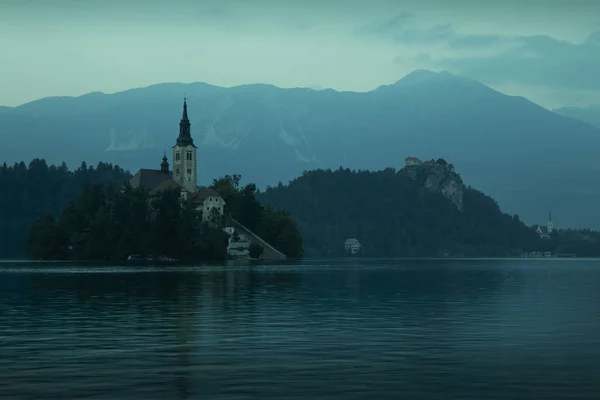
<point>357,329</point>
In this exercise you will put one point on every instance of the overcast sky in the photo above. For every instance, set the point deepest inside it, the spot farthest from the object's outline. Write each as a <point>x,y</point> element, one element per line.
<point>546,50</point>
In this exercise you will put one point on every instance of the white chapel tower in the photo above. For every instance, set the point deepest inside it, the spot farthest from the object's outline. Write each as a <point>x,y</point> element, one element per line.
<point>184,155</point>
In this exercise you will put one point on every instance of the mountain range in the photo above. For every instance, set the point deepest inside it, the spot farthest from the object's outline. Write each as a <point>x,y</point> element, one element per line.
<point>530,159</point>
<point>591,114</point>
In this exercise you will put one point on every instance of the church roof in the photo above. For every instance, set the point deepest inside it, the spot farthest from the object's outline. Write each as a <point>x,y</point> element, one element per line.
<point>149,178</point>
<point>165,185</point>
<point>351,242</point>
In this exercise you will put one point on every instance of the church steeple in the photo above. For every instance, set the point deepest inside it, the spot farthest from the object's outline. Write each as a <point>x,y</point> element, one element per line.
<point>184,155</point>
<point>185,116</point>
<point>164,166</point>
<point>185,136</point>
<point>550,224</point>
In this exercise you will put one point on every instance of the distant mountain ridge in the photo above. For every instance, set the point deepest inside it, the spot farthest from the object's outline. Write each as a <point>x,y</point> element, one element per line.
<point>590,115</point>
<point>528,158</point>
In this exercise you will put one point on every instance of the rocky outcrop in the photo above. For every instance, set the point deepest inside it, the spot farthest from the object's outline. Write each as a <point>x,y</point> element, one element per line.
<point>438,176</point>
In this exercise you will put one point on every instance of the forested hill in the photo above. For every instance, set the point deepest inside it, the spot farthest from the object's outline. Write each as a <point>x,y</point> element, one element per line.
<point>29,191</point>
<point>412,212</point>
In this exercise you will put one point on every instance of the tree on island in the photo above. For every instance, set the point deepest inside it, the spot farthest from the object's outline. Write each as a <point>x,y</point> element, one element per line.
<point>29,191</point>
<point>106,222</point>
<point>276,226</point>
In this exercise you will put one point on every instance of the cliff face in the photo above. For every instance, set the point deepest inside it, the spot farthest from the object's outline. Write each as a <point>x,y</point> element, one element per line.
<point>438,177</point>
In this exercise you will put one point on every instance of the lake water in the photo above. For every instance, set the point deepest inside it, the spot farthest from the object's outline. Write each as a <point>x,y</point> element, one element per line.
<point>355,329</point>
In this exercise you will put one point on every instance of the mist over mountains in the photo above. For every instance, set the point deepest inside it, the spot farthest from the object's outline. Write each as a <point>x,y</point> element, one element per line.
<point>529,159</point>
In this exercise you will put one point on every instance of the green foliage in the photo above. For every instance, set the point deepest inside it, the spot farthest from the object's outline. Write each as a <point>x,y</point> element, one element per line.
<point>30,192</point>
<point>108,224</point>
<point>395,216</point>
<point>255,250</point>
<point>275,226</point>
<point>112,221</point>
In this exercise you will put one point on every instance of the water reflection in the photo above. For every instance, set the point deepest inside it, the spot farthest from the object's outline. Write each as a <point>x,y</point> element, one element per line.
<point>350,329</point>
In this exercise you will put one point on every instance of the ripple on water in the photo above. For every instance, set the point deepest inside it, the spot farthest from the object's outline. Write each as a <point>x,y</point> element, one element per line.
<point>349,329</point>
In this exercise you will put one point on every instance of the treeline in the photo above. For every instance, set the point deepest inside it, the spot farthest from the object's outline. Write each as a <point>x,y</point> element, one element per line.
<point>394,216</point>
<point>30,191</point>
<point>581,242</point>
<point>112,221</point>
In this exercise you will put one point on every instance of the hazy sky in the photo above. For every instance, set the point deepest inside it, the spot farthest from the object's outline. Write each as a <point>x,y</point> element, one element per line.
<point>546,50</point>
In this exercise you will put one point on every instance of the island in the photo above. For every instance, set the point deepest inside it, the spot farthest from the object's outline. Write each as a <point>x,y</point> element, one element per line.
<point>162,214</point>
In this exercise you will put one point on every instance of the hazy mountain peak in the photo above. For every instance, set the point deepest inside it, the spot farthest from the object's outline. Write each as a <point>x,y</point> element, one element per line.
<point>416,77</point>
<point>423,77</point>
<point>431,82</point>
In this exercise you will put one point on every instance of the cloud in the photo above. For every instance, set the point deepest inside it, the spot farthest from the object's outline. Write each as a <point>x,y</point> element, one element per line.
<point>535,60</point>
<point>479,40</point>
<point>405,28</point>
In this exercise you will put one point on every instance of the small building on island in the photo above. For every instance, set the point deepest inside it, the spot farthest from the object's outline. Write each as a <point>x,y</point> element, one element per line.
<point>352,246</point>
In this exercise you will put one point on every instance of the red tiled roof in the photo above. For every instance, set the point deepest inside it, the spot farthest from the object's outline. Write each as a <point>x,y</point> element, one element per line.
<point>412,159</point>
<point>202,193</point>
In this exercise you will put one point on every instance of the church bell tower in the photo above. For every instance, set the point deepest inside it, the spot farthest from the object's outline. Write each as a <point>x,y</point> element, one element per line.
<point>184,155</point>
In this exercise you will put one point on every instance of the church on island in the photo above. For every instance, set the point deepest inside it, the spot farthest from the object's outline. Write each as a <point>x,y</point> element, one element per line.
<point>183,176</point>
<point>206,200</point>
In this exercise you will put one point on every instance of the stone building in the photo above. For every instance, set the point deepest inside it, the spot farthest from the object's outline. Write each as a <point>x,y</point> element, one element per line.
<point>352,246</point>
<point>410,161</point>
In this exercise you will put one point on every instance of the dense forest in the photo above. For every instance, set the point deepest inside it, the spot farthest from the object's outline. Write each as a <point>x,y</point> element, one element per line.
<point>112,221</point>
<point>579,242</point>
<point>29,191</point>
<point>107,223</point>
<point>81,214</point>
<point>395,216</point>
